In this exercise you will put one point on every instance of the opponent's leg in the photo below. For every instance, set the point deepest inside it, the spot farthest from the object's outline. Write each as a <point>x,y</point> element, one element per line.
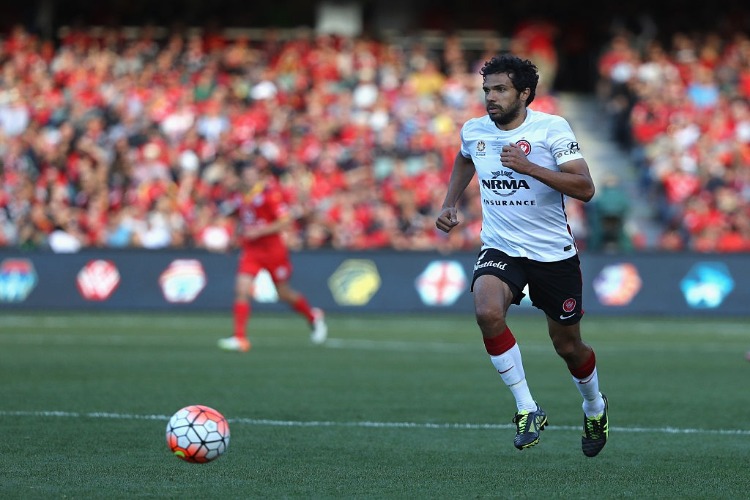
<point>314,315</point>
<point>241,311</point>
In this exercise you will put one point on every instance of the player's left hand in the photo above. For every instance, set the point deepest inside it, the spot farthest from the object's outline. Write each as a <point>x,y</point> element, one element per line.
<point>514,158</point>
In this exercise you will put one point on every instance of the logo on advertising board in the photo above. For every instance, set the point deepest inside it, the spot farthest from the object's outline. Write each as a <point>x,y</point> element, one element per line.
<point>354,282</point>
<point>97,280</point>
<point>441,283</point>
<point>617,285</point>
<point>183,280</point>
<point>17,279</point>
<point>706,285</point>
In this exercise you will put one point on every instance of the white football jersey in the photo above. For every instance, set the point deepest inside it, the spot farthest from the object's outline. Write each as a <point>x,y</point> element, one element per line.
<point>522,216</point>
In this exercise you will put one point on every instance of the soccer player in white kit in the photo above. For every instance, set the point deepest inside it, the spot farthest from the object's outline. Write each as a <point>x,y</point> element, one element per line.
<point>526,163</point>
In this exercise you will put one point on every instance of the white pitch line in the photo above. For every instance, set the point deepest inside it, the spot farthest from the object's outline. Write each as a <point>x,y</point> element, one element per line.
<point>397,345</point>
<point>369,424</point>
<point>104,339</point>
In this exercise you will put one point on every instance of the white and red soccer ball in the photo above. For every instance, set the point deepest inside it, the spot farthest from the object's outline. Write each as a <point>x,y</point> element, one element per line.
<point>198,434</point>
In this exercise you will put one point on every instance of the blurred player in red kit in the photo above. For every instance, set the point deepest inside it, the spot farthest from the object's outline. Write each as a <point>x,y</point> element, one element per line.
<point>262,217</point>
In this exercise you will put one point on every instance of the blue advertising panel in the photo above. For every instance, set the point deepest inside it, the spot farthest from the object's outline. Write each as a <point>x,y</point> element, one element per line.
<point>384,281</point>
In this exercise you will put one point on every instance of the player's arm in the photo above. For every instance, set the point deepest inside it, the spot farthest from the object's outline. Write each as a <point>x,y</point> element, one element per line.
<point>229,207</point>
<point>276,226</point>
<point>463,172</point>
<point>573,179</point>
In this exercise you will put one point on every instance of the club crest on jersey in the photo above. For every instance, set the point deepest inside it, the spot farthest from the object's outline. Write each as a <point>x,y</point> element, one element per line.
<point>525,146</point>
<point>504,187</point>
<point>481,146</point>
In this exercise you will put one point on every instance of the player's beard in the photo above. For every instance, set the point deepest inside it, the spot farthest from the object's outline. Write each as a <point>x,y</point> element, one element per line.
<point>504,117</point>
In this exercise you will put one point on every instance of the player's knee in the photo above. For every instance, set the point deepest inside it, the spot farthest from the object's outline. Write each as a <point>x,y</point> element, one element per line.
<point>242,293</point>
<point>490,320</point>
<point>566,349</point>
<point>286,293</point>
<point>243,288</point>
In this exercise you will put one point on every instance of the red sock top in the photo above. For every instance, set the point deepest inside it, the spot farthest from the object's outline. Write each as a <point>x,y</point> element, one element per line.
<point>499,343</point>
<point>586,369</point>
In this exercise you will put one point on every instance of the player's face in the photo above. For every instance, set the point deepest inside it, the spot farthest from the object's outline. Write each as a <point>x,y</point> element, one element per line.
<point>502,100</point>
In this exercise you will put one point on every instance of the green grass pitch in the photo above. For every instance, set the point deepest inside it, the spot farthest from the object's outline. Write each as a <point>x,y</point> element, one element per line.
<point>390,407</point>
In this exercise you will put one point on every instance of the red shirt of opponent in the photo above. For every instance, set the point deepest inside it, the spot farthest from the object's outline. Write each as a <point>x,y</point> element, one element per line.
<point>263,213</point>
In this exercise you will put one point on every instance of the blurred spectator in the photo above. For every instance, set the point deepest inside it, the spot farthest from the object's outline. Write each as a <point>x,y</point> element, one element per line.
<point>607,215</point>
<point>14,113</point>
<point>535,39</point>
<point>66,237</point>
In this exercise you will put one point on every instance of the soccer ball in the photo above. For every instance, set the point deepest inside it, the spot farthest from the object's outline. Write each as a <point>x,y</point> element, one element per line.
<point>198,434</point>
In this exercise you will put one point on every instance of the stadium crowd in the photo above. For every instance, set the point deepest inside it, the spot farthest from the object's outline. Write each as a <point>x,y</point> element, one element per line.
<point>682,107</point>
<point>119,142</point>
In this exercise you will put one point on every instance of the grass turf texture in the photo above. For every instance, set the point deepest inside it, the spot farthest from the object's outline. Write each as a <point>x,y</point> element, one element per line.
<point>391,407</point>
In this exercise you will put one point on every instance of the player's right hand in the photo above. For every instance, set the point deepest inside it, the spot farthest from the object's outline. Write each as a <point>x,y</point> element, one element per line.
<point>447,219</point>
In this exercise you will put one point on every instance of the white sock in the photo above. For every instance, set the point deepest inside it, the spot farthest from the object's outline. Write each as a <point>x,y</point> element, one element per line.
<point>593,404</point>
<point>510,368</point>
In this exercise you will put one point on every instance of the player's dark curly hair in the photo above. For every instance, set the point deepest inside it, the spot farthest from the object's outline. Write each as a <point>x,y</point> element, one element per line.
<point>522,72</point>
